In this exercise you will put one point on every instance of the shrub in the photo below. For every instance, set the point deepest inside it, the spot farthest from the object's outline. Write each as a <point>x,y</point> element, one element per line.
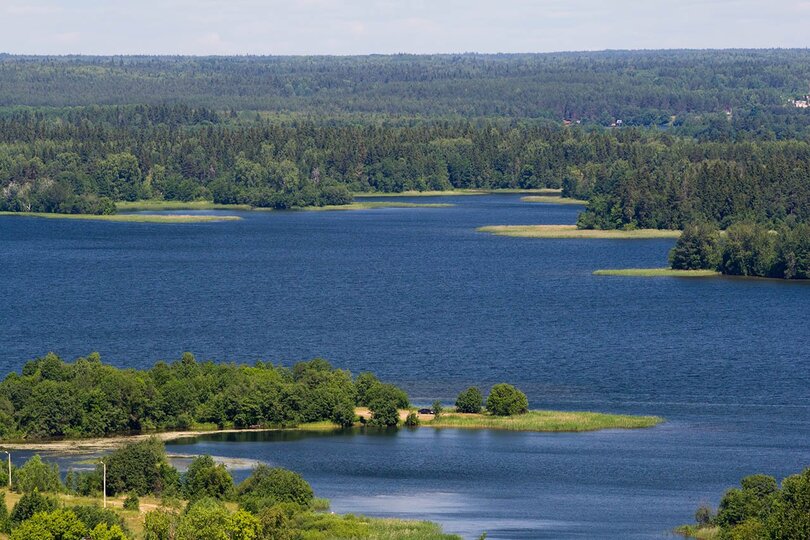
<point>205,478</point>
<point>437,408</point>
<point>267,486</point>
<point>384,413</point>
<point>412,420</point>
<point>506,400</point>
<point>159,525</point>
<point>141,468</point>
<point>703,516</point>
<point>132,502</point>
<point>470,401</point>
<point>93,516</point>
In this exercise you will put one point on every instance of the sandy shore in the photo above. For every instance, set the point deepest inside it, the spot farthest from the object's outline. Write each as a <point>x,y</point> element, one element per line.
<point>83,446</point>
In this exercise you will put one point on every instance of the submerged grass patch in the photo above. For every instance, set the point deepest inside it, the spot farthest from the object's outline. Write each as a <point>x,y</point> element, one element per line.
<point>128,218</point>
<point>546,421</point>
<point>369,205</point>
<point>571,231</point>
<point>551,199</point>
<point>146,205</point>
<point>656,272</point>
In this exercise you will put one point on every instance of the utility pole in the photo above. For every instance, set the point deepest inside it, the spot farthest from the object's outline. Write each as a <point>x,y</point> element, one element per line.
<point>104,481</point>
<point>9,467</point>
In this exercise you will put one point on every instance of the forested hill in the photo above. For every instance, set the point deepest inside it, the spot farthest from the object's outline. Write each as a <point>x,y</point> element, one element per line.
<point>637,87</point>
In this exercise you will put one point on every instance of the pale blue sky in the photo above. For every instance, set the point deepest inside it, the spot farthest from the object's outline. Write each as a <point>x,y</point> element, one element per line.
<point>383,26</point>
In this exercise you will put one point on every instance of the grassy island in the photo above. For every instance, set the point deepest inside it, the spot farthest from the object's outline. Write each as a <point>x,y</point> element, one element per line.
<point>551,199</point>
<point>128,218</point>
<point>544,421</point>
<point>148,205</point>
<point>656,272</point>
<point>571,231</point>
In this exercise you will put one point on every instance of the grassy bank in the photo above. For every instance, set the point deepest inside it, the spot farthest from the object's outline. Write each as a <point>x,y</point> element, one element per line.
<point>127,218</point>
<point>656,272</point>
<point>701,533</point>
<point>457,192</point>
<point>318,525</point>
<point>370,205</point>
<point>545,421</point>
<point>571,231</point>
<point>551,199</point>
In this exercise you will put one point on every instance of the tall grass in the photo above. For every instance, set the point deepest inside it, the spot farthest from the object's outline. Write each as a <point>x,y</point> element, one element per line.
<point>571,231</point>
<point>546,421</point>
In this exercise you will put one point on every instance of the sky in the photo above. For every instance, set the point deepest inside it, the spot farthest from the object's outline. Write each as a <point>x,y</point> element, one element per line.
<point>340,27</point>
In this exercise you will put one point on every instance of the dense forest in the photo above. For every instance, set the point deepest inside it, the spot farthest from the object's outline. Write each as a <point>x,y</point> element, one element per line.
<point>52,398</point>
<point>638,87</point>
<point>80,160</point>
<point>652,138</point>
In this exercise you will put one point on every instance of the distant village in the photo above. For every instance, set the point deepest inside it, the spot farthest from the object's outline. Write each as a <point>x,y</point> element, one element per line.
<point>803,103</point>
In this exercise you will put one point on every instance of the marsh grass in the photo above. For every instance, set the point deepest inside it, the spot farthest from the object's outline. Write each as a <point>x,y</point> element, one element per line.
<point>551,199</point>
<point>457,192</point>
<point>571,231</point>
<point>128,218</point>
<point>701,533</point>
<point>656,272</point>
<point>370,205</point>
<point>545,421</point>
<point>147,205</point>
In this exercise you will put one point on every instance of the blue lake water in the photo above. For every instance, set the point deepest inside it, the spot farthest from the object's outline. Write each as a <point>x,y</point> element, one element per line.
<point>421,299</point>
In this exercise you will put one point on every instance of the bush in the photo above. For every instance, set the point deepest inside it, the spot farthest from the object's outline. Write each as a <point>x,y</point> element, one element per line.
<point>384,413</point>
<point>140,468</point>
<point>412,420</point>
<point>93,516</point>
<point>703,516</point>
<point>506,400</point>
<point>205,478</point>
<point>437,408</point>
<point>132,502</point>
<point>470,401</point>
<point>267,486</point>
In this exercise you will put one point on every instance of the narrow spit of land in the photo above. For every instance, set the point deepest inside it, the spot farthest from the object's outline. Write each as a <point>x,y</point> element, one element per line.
<point>551,199</point>
<point>129,218</point>
<point>656,272</point>
<point>571,231</point>
<point>532,421</point>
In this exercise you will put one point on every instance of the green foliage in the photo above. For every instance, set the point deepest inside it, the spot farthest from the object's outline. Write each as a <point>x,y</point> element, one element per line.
<point>761,509</point>
<point>56,525</point>
<point>268,486</point>
<point>412,420</point>
<point>696,248</point>
<point>53,398</point>
<point>35,475</point>
<point>30,504</point>
<point>506,400</point>
<point>132,502</point>
<point>384,413</point>
<point>205,478</point>
<point>5,519</point>
<point>159,525</point>
<point>93,516</point>
<point>140,468</point>
<point>470,401</point>
<point>747,250</point>
<point>437,408</point>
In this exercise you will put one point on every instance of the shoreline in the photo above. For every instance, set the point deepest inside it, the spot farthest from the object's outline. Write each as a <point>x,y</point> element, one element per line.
<point>534,421</point>
<point>459,192</point>
<point>553,199</point>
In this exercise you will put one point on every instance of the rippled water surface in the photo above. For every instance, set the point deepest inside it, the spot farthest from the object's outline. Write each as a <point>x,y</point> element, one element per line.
<point>420,298</point>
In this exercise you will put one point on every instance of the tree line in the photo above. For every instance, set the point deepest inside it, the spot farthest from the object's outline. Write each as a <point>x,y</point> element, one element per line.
<point>203,502</point>
<point>53,398</point>
<point>82,160</point>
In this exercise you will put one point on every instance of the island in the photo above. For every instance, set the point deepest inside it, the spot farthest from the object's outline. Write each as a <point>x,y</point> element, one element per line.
<point>572,231</point>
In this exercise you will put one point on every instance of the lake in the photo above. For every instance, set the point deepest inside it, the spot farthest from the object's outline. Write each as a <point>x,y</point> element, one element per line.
<point>421,299</point>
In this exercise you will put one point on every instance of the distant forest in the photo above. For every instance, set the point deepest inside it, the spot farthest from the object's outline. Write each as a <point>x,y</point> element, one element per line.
<point>653,139</point>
